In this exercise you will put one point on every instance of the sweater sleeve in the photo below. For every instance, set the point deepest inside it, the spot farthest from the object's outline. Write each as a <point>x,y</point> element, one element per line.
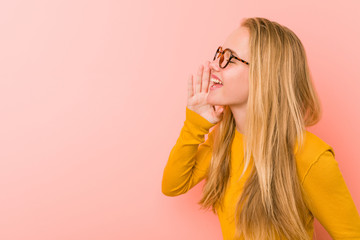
<point>190,157</point>
<point>329,199</point>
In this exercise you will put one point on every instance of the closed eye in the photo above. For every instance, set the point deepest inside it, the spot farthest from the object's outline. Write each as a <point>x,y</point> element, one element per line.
<point>231,59</point>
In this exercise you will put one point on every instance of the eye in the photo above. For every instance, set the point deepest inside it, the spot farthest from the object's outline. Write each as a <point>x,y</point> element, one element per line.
<point>231,59</point>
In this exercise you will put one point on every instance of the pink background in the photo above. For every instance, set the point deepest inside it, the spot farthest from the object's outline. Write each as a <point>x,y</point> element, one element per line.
<point>93,97</point>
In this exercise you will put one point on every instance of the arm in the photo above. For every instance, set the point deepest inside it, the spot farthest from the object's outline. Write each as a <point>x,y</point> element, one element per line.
<point>190,157</point>
<point>329,199</point>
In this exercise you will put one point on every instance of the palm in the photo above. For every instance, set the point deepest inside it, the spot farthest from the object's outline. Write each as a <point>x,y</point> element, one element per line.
<point>197,98</point>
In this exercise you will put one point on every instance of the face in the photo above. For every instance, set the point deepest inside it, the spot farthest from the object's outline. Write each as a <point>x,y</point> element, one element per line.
<point>235,89</point>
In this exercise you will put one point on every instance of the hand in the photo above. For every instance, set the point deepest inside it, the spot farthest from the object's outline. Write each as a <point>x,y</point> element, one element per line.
<point>197,97</point>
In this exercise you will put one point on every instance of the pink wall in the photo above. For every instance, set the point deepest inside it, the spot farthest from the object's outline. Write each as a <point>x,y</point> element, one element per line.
<point>93,97</point>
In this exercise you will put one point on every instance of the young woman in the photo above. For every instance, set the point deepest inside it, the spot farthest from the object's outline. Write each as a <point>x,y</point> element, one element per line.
<point>267,177</point>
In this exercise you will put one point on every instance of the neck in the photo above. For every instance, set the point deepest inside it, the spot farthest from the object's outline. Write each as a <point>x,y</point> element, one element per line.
<point>239,113</point>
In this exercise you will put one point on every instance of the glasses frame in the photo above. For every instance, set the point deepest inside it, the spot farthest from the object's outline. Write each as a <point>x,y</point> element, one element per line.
<point>221,55</point>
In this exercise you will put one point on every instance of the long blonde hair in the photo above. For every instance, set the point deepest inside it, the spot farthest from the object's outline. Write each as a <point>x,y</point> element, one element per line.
<point>282,101</point>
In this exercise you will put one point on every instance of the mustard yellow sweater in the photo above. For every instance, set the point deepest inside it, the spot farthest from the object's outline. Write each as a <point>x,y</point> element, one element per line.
<point>328,196</point>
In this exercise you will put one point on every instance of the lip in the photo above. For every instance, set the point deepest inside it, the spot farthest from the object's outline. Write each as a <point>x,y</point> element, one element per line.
<point>213,76</point>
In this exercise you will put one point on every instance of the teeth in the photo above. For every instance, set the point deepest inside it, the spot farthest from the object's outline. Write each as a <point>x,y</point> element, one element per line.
<point>215,81</point>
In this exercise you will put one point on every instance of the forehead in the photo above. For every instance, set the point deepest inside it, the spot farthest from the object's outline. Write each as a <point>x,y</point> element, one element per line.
<point>238,41</point>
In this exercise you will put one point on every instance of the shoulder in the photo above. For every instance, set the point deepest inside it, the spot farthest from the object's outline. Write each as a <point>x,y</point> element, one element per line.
<point>312,150</point>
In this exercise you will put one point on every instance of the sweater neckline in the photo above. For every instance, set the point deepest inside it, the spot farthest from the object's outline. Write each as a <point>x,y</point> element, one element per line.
<point>238,134</point>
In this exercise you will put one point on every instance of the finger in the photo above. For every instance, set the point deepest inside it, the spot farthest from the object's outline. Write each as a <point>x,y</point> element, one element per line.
<point>220,110</point>
<point>210,71</point>
<point>206,78</point>
<point>190,86</point>
<point>198,79</point>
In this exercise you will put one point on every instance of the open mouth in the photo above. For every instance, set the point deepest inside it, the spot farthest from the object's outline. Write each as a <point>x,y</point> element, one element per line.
<point>215,83</point>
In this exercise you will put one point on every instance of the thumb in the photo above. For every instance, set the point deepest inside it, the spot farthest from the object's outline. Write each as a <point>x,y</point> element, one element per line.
<point>219,110</point>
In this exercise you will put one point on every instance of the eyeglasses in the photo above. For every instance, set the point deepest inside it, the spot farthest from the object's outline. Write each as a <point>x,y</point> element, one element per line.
<point>226,55</point>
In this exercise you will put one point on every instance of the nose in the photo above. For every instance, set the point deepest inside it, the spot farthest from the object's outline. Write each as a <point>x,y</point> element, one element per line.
<point>214,65</point>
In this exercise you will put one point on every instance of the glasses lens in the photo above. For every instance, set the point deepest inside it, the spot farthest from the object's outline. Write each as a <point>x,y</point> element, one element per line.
<point>224,58</point>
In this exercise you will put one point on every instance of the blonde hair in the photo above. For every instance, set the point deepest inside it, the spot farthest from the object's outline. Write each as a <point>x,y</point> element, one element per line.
<point>282,101</point>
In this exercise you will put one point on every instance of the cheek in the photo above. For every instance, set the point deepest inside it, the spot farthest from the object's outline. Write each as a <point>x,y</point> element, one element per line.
<point>238,88</point>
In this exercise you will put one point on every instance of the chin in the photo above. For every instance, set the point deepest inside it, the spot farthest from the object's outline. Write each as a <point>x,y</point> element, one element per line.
<point>214,101</point>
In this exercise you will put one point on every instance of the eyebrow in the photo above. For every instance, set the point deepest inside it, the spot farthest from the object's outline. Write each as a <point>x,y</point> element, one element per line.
<point>233,52</point>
